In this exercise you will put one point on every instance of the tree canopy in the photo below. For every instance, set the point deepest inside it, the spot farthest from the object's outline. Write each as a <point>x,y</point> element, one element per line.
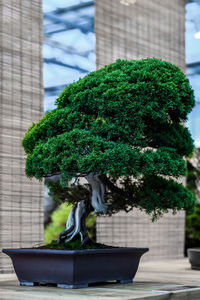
<point>123,121</point>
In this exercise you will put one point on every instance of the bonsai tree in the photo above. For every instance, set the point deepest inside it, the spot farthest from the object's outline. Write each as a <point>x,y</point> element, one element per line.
<point>121,129</point>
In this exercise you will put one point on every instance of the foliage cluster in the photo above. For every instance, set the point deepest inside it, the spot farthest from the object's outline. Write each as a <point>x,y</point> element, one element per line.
<point>123,121</point>
<point>193,219</point>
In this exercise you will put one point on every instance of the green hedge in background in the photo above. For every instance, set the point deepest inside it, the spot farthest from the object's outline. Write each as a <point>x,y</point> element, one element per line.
<point>192,219</point>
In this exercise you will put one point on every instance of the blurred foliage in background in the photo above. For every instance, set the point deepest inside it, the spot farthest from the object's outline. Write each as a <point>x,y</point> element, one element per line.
<point>193,219</point>
<point>193,228</point>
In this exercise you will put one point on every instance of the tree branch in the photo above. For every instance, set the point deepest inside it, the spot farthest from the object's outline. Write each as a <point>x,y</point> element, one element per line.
<point>51,175</point>
<point>116,189</point>
<point>55,174</point>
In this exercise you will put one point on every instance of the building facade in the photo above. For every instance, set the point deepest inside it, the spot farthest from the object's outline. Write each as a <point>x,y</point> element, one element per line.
<point>21,84</point>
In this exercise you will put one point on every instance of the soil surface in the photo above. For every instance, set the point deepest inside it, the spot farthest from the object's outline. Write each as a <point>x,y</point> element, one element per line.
<point>74,245</point>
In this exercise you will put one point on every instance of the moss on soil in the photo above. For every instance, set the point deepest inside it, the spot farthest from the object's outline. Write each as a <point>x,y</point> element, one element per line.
<point>74,245</point>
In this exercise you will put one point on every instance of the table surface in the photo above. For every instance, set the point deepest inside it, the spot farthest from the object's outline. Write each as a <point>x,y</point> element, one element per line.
<point>149,283</point>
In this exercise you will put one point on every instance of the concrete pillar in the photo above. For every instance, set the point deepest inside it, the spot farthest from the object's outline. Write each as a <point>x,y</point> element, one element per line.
<point>21,92</point>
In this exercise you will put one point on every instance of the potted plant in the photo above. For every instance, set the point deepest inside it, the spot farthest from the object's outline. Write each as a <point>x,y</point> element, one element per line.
<point>120,129</point>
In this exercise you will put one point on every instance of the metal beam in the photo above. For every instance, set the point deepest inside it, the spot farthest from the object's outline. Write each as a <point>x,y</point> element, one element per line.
<point>87,27</point>
<point>54,90</point>
<point>194,64</point>
<point>57,62</point>
<point>68,49</point>
<point>193,1</point>
<point>194,68</point>
<point>73,7</point>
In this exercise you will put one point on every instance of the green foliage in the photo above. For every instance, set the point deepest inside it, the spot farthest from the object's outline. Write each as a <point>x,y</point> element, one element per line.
<point>80,152</point>
<point>70,194</point>
<point>59,217</point>
<point>192,176</point>
<point>164,195</point>
<point>193,224</point>
<point>124,120</point>
<point>155,194</point>
<point>193,229</point>
<point>192,218</point>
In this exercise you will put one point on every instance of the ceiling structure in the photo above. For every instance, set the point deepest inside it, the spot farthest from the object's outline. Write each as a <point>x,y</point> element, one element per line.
<point>69,49</point>
<point>69,44</point>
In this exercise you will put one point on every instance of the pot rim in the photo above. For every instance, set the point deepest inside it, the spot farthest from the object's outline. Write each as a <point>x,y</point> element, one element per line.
<point>196,249</point>
<point>73,252</point>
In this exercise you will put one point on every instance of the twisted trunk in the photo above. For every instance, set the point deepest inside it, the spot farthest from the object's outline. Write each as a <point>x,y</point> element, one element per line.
<point>98,198</point>
<point>76,223</point>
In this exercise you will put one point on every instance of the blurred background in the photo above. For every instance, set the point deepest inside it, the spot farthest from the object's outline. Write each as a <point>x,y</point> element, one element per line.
<point>48,45</point>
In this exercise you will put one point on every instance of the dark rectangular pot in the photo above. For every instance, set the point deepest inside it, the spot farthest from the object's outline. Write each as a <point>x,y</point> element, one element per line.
<point>77,268</point>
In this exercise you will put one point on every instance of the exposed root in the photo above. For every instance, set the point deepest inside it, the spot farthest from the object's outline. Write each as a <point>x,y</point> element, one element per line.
<point>76,223</point>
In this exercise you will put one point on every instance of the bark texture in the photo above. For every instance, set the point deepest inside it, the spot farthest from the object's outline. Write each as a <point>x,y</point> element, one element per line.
<point>76,223</point>
<point>98,198</point>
